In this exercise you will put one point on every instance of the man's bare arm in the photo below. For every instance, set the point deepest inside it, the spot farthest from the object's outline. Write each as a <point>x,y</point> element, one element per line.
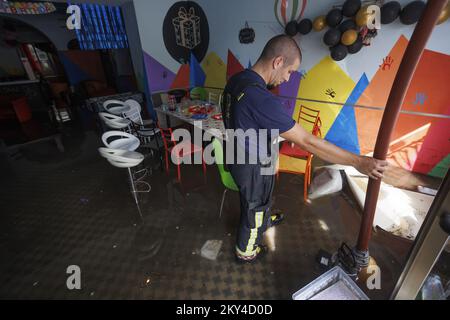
<point>374,168</point>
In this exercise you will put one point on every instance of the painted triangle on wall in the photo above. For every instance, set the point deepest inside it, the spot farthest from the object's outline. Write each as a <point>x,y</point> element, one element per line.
<point>233,65</point>
<point>196,76</point>
<point>343,132</point>
<point>159,77</point>
<point>182,77</point>
<point>290,89</point>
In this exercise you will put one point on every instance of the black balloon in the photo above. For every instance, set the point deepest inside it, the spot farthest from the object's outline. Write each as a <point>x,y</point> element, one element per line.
<point>351,7</point>
<point>332,37</point>
<point>338,52</point>
<point>411,12</point>
<point>346,25</point>
<point>334,17</point>
<point>356,46</point>
<point>390,12</point>
<point>304,26</point>
<point>291,28</point>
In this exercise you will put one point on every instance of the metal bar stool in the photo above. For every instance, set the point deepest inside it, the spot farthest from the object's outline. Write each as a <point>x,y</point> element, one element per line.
<point>126,159</point>
<point>121,144</point>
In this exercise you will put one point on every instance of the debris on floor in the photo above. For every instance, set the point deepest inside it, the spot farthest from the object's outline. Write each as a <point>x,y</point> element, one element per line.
<point>211,249</point>
<point>325,181</point>
<point>400,212</point>
<point>433,288</point>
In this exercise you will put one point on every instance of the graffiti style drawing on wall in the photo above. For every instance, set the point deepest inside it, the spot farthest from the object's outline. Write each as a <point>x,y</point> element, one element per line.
<point>330,92</point>
<point>186,29</point>
<point>387,62</point>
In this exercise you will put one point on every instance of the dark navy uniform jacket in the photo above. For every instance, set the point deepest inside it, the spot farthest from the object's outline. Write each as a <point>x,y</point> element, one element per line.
<point>257,108</point>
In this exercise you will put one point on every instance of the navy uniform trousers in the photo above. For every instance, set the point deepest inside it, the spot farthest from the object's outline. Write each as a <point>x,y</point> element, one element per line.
<point>255,192</point>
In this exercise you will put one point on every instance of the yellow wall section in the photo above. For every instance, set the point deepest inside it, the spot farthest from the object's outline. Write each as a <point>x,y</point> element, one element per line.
<point>325,75</point>
<point>215,70</point>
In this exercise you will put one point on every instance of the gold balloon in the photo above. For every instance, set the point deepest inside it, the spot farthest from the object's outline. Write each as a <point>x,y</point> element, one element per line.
<point>444,14</point>
<point>319,23</point>
<point>349,37</point>
<point>362,17</point>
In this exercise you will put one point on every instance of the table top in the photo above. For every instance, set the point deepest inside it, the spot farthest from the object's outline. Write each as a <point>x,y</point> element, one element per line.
<point>215,127</point>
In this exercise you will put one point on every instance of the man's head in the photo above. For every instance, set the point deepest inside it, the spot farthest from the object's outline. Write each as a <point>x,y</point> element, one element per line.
<point>281,56</point>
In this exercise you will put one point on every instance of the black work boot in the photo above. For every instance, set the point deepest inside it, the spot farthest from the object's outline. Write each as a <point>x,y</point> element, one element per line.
<point>261,251</point>
<point>275,219</point>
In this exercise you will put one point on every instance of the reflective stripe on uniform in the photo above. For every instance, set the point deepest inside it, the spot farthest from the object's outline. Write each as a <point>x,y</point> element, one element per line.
<point>250,249</point>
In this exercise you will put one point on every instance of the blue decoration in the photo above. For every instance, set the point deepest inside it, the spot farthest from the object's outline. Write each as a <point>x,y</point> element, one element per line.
<point>343,132</point>
<point>102,27</point>
<point>196,74</point>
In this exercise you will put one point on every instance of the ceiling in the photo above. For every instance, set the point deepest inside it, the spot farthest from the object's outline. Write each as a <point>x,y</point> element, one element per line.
<point>109,2</point>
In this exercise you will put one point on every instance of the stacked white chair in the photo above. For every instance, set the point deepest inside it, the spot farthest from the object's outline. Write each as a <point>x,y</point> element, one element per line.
<point>120,152</point>
<point>123,140</point>
<point>134,114</point>
<point>113,121</point>
<point>144,129</point>
<point>116,107</point>
<point>126,116</point>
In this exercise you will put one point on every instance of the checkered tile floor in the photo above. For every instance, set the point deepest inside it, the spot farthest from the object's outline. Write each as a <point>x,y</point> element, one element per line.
<point>76,209</point>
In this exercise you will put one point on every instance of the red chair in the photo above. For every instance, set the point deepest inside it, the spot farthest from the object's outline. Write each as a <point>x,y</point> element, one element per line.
<point>186,149</point>
<point>309,119</point>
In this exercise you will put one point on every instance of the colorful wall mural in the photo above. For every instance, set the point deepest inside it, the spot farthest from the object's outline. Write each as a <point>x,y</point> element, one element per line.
<point>352,92</point>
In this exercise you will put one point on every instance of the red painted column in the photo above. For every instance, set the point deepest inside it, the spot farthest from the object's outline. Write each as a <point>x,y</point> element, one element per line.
<point>402,80</point>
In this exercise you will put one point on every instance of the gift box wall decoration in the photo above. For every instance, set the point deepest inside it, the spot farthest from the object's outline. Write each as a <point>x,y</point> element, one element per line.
<point>186,31</point>
<point>187,28</point>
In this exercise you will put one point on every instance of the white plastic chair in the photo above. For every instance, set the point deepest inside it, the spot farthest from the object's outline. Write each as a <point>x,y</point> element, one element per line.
<point>113,121</point>
<point>147,134</point>
<point>121,158</point>
<point>214,98</point>
<point>123,140</point>
<point>116,107</point>
<point>134,113</point>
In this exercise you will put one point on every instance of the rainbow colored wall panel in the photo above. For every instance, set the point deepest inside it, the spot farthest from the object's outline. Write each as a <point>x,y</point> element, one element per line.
<point>352,128</point>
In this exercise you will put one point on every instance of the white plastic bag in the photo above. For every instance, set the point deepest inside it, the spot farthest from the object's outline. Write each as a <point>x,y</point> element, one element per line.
<point>433,289</point>
<point>326,181</point>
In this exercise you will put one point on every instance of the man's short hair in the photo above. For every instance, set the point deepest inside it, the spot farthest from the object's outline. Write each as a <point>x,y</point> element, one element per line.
<point>281,45</point>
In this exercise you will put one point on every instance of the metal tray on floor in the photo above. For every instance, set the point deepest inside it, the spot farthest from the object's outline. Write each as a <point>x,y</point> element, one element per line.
<point>335,284</point>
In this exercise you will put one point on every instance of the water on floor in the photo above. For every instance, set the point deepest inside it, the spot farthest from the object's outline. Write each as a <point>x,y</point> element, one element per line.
<point>74,208</point>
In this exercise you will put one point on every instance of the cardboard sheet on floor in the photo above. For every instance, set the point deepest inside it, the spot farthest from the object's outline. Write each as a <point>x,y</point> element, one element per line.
<point>399,211</point>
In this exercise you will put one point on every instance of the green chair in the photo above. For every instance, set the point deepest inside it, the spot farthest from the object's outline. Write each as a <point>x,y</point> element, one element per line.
<point>225,176</point>
<point>198,93</point>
